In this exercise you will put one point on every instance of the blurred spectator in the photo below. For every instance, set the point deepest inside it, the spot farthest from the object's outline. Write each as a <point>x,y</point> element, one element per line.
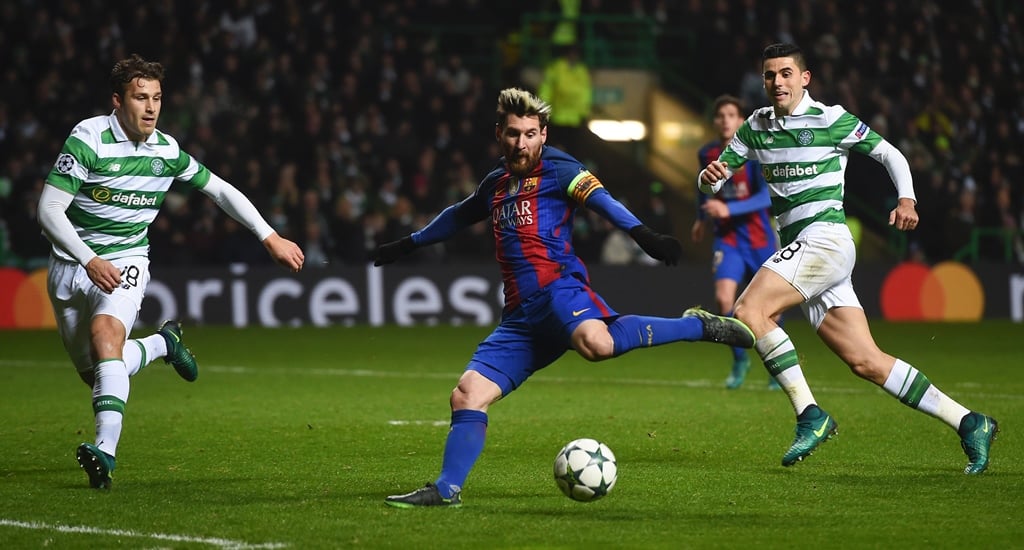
<point>566,87</point>
<point>655,213</point>
<point>961,221</point>
<point>316,244</point>
<point>1009,220</point>
<point>26,240</point>
<point>347,233</point>
<point>934,210</point>
<point>589,235</point>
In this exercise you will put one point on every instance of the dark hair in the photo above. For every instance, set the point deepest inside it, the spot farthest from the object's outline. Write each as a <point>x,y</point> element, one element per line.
<point>521,103</point>
<point>127,70</point>
<point>785,50</point>
<point>726,99</point>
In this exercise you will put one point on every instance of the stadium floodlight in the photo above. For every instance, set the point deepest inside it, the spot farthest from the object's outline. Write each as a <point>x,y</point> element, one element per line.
<point>618,130</point>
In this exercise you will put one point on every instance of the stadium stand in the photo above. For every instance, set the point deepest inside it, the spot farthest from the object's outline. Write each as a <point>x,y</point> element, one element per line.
<point>350,122</point>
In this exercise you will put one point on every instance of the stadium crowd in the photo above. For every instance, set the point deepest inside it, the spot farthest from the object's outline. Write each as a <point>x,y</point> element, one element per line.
<point>945,86</point>
<point>349,125</point>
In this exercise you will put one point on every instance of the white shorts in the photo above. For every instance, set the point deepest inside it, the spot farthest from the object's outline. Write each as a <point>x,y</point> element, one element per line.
<point>819,264</point>
<point>76,300</point>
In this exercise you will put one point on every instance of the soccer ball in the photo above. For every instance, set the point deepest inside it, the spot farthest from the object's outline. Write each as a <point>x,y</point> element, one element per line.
<point>585,470</point>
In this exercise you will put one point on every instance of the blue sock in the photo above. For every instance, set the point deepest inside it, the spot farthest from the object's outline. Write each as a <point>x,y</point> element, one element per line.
<point>636,331</point>
<point>464,444</point>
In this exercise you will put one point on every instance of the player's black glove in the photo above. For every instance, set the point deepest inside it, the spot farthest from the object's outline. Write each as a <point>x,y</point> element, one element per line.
<point>389,252</point>
<point>660,247</point>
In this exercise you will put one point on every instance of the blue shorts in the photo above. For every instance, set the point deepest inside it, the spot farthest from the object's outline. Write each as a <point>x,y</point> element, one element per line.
<point>738,263</point>
<point>536,333</point>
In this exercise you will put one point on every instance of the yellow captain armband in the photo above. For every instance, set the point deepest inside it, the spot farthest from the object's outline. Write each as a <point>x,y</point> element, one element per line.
<point>583,185</point>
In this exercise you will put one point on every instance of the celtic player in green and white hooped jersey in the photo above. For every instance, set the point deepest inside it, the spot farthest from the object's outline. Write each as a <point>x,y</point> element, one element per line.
<point>105,189</point>
<point>803,146</point>
<point>118,184</point>
<point>803,157</point>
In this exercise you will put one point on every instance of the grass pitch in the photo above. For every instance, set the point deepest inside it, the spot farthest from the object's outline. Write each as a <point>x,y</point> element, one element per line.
<point>291,438</point>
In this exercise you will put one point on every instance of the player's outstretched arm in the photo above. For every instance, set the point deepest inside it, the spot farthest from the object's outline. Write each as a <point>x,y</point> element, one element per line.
<point>660,247</point>
<point>239,207</point>
<point>389,252</point>
<point>904,216</point>
<point>657,245</point>
<point>470,210</point>
<point>284,252</point>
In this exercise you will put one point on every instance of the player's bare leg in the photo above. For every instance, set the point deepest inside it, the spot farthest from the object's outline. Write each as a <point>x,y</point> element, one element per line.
<point>768,295</point>
<point>845,330</point>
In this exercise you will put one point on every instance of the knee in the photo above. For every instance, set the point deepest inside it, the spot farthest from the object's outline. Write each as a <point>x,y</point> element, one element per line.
<point>460,398</point>
<point>596,346</point>
<point>456,398</point>
<point>108,337</point>
<point>744,312</point>
<point>474,396</point>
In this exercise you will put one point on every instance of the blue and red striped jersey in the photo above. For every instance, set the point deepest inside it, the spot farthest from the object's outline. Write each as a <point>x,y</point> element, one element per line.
<point>532,220</point>
<point>746,194</point>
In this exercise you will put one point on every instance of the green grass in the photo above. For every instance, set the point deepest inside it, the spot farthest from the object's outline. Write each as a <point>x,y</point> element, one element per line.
<point>288,438</point>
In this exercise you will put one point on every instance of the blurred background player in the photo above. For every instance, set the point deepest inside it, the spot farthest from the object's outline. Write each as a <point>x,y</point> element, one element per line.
<point>99,199</point>
<point>740,215</point>
<point>530,200</point>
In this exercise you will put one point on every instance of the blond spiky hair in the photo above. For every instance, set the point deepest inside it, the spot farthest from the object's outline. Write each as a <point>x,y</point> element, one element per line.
<point>519,102</point>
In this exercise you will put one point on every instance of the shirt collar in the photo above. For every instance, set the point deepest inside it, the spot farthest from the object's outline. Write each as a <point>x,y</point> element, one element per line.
<point>801,108</point>
<point>118,131</point>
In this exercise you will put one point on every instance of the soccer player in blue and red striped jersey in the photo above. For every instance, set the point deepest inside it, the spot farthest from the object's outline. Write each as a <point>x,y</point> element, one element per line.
<point>740,214</point>
<point>530,199</point>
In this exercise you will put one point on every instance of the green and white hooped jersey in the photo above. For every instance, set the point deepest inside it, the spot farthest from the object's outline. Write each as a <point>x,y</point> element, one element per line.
<point>118,184</point>
<point>803,157</point>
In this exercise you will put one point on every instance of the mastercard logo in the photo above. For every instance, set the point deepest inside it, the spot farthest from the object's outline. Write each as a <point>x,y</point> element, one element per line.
<point>948,291</point>
<point>24,302</point>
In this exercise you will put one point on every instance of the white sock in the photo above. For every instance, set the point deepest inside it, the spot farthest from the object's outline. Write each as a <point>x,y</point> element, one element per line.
<point>109,395</point>
<point>914,390</point>
<point>141,352</point>
<point>779,356</point>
